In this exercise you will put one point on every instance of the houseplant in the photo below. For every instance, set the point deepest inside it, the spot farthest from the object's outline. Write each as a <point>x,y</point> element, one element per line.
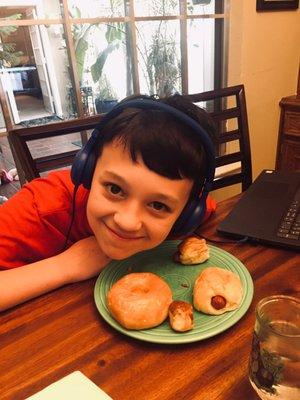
<point>81,32</point>
<point>106,97</point>
<point>162,65</point>
<point>9,57</point>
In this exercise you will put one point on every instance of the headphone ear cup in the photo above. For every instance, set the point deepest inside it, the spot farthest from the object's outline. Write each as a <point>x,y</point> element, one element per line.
<point>84,164</point>
<point>89,169</point>
<point>190,218</point>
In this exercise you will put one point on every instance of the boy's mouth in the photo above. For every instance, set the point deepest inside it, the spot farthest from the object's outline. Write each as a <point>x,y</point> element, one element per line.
<point>122,235</point>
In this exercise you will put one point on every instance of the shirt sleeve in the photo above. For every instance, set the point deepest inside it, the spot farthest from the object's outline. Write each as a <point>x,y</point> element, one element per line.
<point>26,234</point>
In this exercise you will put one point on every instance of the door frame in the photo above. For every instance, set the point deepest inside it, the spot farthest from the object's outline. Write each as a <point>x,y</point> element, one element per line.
<point>38,5</point>
<point>7,87</point>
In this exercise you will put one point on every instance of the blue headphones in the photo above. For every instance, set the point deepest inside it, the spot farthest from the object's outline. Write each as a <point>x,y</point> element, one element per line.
<point>85,161</point>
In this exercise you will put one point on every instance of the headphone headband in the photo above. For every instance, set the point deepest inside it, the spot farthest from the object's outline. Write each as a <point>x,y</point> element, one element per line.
<point>85,160</point>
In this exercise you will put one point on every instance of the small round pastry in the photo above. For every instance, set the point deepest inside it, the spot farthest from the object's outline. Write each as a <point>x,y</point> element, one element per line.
<point>217,290</point>
<point>192,250</point>
<point>139,300</point>
<point>181,316</point>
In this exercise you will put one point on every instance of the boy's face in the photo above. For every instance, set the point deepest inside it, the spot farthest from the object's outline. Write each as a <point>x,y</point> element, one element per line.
<point>131,208</point>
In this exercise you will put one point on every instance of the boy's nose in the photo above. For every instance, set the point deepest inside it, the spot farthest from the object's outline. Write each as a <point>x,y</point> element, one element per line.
<point>128,219</point>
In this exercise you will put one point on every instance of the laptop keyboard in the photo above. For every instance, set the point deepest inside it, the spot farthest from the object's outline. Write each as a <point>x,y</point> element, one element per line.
<point>290,224</point>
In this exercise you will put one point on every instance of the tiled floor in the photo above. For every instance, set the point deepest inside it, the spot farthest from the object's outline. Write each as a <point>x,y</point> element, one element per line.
<point>30,107</point>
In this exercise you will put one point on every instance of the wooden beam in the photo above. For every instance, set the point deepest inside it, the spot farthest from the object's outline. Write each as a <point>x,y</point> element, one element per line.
<point>72,57</point>
<point>97,20</point>
<point>29,22</point>
<point>183,47</point>
<point>133,47</point>
<point>73,64</point>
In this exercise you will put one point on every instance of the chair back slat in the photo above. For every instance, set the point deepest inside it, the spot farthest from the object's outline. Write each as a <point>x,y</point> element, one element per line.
<point>229,159</point>
<point>227,180</point>
<point>227,107</point>
<point>50,162</point>
<point>224,115</point>
<point>229,136</point>
<point>32,167</point>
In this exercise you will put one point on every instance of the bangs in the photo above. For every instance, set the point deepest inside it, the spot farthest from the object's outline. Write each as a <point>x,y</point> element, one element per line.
<point>166,146</point>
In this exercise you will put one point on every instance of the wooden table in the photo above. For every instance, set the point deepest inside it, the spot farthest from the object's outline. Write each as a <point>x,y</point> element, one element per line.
<point>49,337</point>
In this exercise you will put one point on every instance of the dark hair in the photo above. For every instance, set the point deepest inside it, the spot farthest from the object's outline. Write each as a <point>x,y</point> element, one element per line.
<point>166,145</point>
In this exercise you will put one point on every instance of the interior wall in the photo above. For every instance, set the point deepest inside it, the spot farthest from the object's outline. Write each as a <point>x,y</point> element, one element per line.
<point>264,55</point>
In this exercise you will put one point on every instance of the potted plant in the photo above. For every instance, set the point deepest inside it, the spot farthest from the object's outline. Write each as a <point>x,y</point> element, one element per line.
<point>159,61</point>
<point>106,97</point>
<point>162,66</point>
<point>80,33</point>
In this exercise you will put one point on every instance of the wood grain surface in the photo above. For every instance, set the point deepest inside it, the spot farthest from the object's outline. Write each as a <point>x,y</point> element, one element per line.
<point>51,336</point>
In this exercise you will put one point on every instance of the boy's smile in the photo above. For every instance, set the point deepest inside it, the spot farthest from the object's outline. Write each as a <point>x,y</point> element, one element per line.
<point>131,208</point>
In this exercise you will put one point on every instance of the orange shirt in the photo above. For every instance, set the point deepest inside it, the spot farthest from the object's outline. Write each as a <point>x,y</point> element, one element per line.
<point>35,221</point>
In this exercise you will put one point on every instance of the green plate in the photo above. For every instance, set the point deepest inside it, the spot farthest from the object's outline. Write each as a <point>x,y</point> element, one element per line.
<point>181,279</point>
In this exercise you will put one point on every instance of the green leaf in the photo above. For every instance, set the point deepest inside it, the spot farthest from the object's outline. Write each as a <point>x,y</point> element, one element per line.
<point>114,32</point>
<point>97,67</point>
<point>75,12</point>
<point>80,52</point>
<point>14,16</point>
<point>9,47</point>
<point>5,31</point>
<point>8,53</point>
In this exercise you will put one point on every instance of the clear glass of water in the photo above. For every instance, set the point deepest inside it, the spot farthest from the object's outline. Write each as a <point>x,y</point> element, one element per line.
<point>274,365</point>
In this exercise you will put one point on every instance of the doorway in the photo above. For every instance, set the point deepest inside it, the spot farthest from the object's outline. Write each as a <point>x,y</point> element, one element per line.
<point>29,81</point>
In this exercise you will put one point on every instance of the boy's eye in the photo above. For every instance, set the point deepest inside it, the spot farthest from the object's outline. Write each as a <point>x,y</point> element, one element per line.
<point>113,189</point>
<point>158,206</point>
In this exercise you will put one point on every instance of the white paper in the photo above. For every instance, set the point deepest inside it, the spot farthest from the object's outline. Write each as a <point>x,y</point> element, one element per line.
<point>75,386</point>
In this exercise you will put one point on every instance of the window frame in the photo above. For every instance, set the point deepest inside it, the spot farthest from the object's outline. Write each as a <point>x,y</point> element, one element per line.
<point>220,43</point>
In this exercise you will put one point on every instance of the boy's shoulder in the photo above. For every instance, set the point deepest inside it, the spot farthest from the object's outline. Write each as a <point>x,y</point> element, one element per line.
<point>54,192</point>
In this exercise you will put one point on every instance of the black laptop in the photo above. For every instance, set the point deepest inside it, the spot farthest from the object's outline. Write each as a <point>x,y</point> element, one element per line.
<point>268,212</point>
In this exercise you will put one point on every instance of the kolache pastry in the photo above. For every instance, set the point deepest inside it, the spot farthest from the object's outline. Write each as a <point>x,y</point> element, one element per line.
<point>181,316</point>
<point>216,291</point>
<point>192,250</point>
<point>139,300</point>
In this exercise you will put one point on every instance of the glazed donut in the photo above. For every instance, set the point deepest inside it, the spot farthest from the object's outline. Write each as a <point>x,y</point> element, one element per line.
<point>216,291</point>
<point>192,250</point>
<point>139,300</point>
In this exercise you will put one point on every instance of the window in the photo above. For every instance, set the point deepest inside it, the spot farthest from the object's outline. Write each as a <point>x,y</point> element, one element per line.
<point>79,57</point>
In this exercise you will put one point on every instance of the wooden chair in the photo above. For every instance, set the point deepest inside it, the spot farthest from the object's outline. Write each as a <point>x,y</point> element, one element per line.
<point>232,167</point>
<point>30,167</point>
<point>228,109</point>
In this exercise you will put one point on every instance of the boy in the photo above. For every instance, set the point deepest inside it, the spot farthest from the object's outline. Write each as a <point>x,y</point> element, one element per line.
<point>148,166</point>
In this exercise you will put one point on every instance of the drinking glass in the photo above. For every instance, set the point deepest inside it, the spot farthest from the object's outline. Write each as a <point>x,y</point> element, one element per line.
<point>274,365</point>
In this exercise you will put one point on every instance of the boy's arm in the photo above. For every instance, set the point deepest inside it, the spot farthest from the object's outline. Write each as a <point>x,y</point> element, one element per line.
<point>81,261</point>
